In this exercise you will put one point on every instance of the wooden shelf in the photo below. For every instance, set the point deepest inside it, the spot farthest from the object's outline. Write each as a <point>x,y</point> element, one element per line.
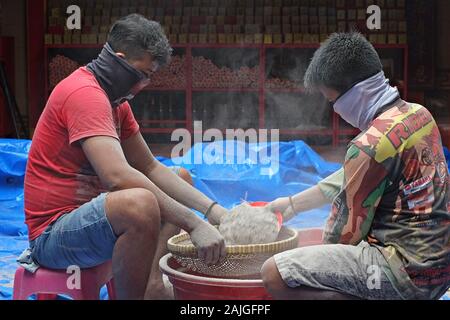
<point>157,130</point>
<point>220,46</point>
<point>225,89</point>
<point>233,46</point>
<point>37,19</point>
<point>336,130</point>
<point>72,46</point>
<point>164,89</point>
<point>286,90</point>
<point>349,131</point>
<point>316,132</point>
<point>162,121</point>
<point>84,46</point>
<point>292,46</point>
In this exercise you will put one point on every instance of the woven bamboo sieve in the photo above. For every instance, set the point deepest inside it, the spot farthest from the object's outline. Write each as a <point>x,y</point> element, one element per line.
<point>242,261</point>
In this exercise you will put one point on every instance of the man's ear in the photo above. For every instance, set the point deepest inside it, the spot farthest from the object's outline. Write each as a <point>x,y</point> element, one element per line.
<point>120,55</point>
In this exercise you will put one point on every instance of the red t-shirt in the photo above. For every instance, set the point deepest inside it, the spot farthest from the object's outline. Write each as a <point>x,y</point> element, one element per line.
<point>59,178</point>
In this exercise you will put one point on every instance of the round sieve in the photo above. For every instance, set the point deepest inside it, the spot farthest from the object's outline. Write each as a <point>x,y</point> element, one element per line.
<point>242,261</point>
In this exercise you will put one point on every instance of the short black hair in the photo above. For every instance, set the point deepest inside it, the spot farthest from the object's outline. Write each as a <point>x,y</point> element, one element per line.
<point>134,35</point>
<point>343,60</point>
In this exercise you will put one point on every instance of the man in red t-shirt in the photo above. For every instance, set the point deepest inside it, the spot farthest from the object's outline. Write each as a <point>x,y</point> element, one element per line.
<point>93,190</point>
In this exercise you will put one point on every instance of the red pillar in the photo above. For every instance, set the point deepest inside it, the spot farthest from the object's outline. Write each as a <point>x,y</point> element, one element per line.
<point>35,59</point>
<point>7,57</point>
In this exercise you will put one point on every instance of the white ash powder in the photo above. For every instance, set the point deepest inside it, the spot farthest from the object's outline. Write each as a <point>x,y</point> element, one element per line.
<point>249,225</point>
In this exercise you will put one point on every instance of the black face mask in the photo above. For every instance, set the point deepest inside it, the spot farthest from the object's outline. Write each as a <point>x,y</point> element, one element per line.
<point>117,77</point>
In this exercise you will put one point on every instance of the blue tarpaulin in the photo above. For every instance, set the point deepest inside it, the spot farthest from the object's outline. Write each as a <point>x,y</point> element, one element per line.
<point>227,172</point>
<point>230,172</point>
<point>13,231</point>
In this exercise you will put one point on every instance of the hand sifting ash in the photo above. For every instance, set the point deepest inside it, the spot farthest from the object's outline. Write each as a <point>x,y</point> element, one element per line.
<point>249,225</point>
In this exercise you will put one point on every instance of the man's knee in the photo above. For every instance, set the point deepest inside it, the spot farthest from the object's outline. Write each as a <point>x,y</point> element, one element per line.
<point>271,276</point>
<point>136,208</point>
<point>144,206</point>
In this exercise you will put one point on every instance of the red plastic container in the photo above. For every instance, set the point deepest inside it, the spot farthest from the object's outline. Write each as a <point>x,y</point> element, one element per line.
<point>189,286</point>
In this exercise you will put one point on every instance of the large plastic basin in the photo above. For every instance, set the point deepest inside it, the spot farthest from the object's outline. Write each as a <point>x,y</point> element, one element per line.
<point>191,286</point>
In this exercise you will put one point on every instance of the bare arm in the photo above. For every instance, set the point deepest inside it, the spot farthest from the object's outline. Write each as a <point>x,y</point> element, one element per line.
<point>304,201</point>
<point>108,160</point>
<point>140,157</point>
<point>106,157</point>
<point>315,197</point>
<point>309,199</point>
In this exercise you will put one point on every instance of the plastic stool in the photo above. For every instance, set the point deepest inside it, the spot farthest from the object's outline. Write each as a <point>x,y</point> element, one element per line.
<point>46,284</point>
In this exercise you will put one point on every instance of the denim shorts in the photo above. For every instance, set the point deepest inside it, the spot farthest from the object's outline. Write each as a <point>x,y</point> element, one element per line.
<point>83,237</point>
<point>360,271</point>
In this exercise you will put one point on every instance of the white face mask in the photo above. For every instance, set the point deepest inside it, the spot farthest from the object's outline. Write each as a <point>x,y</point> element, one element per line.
<point>360,104</point>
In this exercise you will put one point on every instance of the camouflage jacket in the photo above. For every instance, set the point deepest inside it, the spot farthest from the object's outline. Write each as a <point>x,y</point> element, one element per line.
<point>394,193</point>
